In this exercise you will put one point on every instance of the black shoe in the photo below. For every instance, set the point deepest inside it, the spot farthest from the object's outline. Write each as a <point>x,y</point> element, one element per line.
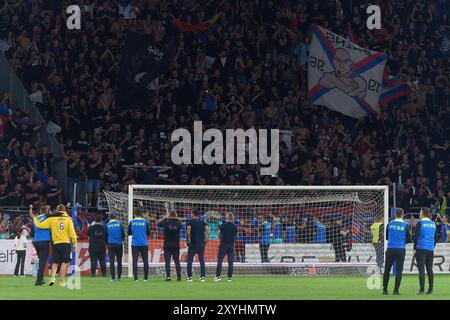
<point>385,293</point>
<point>420,292</point>
<point>178,278</point>
<point>429,291</point>
<point>168,279</point>
<point>396,293</point>
<point>51,283</point>
<point>92,275</point>
<point>38,283</point>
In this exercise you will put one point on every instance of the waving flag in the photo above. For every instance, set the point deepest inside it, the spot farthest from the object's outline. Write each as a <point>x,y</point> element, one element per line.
<point>199,27</point>
<point>201,30</point>
<point>350,34</point>
<point>143,61</point>
<point>344,76</point>
<point>393,88</point>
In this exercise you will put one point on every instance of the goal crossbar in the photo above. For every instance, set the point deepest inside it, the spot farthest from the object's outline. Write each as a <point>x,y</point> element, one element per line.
<point>249,197</point>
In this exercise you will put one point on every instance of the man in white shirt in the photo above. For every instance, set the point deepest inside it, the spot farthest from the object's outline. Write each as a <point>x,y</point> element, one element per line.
<point>20,244</point>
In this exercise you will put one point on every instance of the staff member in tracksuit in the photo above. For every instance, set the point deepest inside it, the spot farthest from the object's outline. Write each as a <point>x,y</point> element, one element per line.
<point>197,235</point>
<point>115,237</point>
<point>171,226</point>
<point>139,230</point>
<point>424,243</point>
<point>398,233</point>
<point>41,242</point>
<point>227,235</point>
<point>97,246</point>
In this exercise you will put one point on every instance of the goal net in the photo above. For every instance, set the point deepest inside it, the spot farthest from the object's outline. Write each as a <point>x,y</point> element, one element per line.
<point>288,230</point>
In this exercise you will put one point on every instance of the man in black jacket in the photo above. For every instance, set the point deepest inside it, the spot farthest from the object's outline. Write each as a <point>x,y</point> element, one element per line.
<point>172,227</point>
<point>339,237</point>
<point>227,235</point>
<point>97,246</point>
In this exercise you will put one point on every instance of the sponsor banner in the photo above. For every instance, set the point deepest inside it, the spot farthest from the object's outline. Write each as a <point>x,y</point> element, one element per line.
<point>360,253</point>
<point>278,253</point>
<point>8,258</point>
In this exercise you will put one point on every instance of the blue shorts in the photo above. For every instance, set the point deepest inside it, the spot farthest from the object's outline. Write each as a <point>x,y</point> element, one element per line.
<point>94,186</point>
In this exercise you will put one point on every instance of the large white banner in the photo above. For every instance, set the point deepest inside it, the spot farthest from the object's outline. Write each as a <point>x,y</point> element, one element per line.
<point>344,76</point>
<point>8,257</point>
<point>360,252</point>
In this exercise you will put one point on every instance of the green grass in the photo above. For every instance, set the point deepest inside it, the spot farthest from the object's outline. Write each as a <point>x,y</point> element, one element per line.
<point>265,288</point>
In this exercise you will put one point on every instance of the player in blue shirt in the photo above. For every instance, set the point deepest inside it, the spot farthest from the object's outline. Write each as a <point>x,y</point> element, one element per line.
<point>115,237</point>
<point>290,228</point>
<point>139,230</point>
<point>424,243</point>
<point>398,233</point>
<point>444,229</point>
<point>41,242</point>
<point>265,233</point>
<point>320,231</point>
<point>277,232</point>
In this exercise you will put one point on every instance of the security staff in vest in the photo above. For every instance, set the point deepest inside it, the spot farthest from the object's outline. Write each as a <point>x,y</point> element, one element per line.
<point>398,233</point>
<point>227,236</point>
<point>377,230</point>
<point>41,242</point>
<point>97,245</point>
<point>171,226</point>
<point>139,230</point>
<point>115,237</point>
<point>424,243</point>
<point>197,236</point>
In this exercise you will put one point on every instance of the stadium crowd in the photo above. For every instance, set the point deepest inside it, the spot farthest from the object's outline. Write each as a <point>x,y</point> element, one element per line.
<point>247,70</point>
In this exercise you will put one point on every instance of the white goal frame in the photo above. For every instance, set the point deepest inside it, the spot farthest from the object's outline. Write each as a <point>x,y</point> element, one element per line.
<point>131,189</point>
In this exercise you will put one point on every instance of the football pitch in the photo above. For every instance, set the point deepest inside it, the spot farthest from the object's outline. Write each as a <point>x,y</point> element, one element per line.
<point>242,287</point>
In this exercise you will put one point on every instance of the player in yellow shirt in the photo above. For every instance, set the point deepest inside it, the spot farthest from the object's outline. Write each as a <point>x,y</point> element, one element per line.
<point>63,233</point>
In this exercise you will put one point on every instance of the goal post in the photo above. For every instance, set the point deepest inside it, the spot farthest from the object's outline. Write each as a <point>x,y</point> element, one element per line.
<point>282,230</point>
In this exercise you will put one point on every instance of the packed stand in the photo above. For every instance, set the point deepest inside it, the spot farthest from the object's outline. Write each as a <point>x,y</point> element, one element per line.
<point>250,70</point>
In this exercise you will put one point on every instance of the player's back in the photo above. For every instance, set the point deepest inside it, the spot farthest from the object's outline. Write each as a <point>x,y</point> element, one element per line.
<point>115,232</point>
<point>397,233</point>
<point>139,230</point>
<point>62,229</point>
<point>426,239</point>
<point>197,232</point>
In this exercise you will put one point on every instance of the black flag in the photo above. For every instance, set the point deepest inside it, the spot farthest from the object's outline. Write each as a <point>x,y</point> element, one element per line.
<point>143,60</point>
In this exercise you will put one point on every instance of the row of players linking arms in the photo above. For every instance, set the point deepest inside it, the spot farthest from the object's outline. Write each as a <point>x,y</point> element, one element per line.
<point>398,233</point>
<point>57,229</point>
